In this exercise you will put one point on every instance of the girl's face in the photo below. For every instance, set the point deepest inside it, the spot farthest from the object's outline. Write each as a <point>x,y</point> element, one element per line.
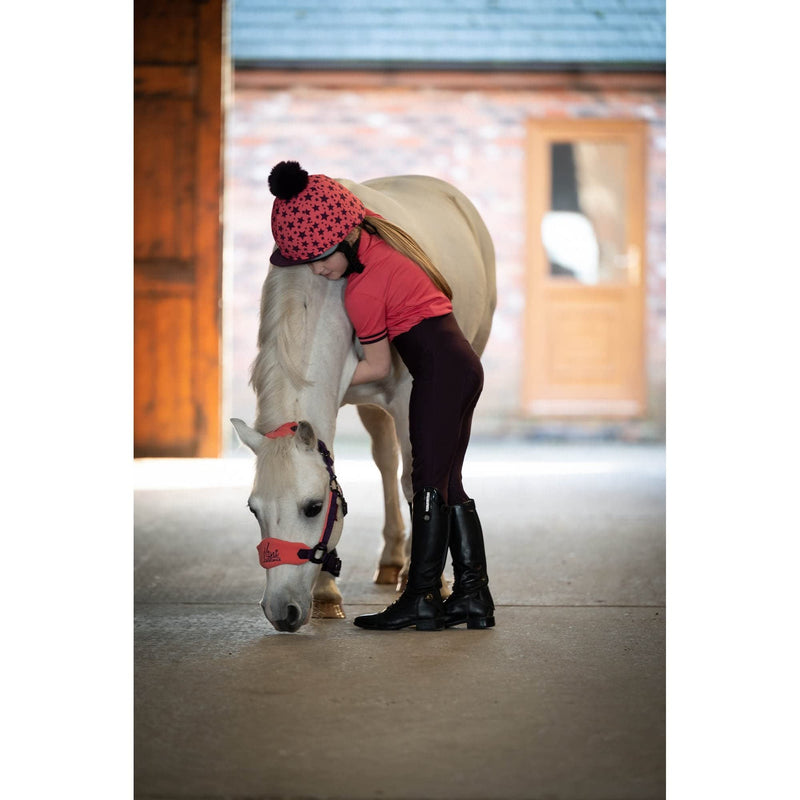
<point>332,267</point>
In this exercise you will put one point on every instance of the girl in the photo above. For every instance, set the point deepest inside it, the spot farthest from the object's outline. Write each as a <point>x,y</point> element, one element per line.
<point>395,294</point>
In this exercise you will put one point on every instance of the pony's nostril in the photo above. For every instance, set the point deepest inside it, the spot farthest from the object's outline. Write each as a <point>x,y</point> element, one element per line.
<point>292,615</point>
<point>291,622</point>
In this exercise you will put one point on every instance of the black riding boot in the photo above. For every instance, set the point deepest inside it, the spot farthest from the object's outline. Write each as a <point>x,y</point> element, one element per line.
<point>421,602</point>
<point>470,601</point>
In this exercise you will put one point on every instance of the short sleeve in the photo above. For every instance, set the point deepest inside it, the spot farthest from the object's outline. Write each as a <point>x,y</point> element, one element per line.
<point>368,315</point>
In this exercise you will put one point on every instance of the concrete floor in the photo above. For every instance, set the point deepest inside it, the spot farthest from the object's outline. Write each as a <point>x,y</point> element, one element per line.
<point>564,699</point>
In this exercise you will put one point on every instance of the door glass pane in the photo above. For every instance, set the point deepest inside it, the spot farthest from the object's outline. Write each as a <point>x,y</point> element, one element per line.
<point>584,232</point>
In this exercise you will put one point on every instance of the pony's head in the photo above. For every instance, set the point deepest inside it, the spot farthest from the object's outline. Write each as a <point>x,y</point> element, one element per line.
<point>300,509</point>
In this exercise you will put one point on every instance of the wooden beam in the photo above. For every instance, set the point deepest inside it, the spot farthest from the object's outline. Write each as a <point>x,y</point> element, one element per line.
<point>445,79</point>
<point>208,228</point>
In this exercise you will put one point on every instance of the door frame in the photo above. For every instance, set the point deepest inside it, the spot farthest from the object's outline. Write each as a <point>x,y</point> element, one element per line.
<point>180,74</point>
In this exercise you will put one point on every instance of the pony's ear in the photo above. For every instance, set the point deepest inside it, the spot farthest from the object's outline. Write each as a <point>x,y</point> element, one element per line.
<point>305,435</point>
<point>247,435</point>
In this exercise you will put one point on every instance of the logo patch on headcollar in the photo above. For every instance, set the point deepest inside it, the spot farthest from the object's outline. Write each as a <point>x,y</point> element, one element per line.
<point>274,552</point>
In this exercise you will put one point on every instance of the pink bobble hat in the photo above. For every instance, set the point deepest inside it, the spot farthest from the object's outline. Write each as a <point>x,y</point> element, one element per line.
<point>311,214</point>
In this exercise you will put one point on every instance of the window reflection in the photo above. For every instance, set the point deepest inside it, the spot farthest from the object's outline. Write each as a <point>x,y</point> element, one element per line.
<point>584,232</point>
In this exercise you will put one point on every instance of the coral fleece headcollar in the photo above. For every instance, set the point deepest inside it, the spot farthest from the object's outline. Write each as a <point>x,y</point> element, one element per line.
<point>273,552</point>
<point>311,214</point>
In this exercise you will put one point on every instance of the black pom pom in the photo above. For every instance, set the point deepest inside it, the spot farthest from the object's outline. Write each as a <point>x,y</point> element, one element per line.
<point>287,180</point>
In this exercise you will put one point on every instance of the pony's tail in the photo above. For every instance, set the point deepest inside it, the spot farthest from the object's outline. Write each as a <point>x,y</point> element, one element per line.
<point>401,241</point>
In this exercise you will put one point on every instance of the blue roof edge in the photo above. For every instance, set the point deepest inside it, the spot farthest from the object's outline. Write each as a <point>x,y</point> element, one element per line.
<point>449,66</point>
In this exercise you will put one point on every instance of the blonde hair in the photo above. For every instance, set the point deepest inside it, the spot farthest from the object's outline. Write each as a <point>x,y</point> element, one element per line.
<point>401,241</point>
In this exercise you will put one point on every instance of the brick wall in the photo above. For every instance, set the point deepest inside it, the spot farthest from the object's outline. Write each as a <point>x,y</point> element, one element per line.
<point>475,139</point>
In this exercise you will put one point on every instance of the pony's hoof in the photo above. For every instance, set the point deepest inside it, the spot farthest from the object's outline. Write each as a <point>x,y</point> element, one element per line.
<point>387,574</point>
<point>327,609</point>
<point>402,582</point>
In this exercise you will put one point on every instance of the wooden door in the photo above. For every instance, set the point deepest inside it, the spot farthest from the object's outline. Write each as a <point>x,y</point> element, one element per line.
<point>585,303</point>
<point>178,68</point>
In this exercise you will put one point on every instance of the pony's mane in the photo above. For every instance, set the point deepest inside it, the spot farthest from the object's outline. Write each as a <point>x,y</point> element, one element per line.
<point>281,340</point>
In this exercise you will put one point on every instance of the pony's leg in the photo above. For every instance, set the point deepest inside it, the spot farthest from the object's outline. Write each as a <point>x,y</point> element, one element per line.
<point>327,600</point>
<point>380,426</point>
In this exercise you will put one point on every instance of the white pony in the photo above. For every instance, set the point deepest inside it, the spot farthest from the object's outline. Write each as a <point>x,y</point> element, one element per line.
<point>306,358</point>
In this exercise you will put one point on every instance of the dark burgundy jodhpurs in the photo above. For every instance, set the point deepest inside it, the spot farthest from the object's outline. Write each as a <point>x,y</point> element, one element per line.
<point>448,380</point>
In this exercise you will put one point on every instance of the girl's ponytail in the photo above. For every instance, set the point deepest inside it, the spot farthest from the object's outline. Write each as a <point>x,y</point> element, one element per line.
<point>401,241</point>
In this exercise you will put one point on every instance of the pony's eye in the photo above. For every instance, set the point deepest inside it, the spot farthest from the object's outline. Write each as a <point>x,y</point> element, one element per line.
<point>313,508</point>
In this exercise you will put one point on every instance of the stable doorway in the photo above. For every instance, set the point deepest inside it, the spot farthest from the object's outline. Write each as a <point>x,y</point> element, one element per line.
<point>585,295</point>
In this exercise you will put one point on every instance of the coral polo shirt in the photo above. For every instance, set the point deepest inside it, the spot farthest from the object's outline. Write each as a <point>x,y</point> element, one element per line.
<point>391,295</point>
